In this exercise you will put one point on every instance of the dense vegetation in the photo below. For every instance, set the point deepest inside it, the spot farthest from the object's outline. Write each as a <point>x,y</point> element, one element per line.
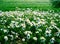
<point>55,3</point>
<point>29,27</point>
<point>29,22</point>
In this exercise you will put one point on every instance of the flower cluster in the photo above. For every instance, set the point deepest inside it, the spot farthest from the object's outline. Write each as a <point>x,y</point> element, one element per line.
<point>30,27</point>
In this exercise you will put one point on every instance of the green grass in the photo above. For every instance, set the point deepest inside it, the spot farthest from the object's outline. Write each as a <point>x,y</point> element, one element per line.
<point>11,5</point>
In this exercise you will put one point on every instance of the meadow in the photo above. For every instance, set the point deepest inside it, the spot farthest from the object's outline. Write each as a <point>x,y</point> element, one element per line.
<point>29,22</point>
<point>11,5</point>
<point>29,27</point>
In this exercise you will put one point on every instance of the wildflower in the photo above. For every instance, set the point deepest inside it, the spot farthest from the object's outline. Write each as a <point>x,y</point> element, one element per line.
<point>23,39</point>
<point>48,32</point>
<point>8,26</point>
<point>43,13</point>
<point>35,12</point>
<point>17,35</point>
<point>28,36</point>
<point>28,11</point>
<point>23,25</point>
<point>20,19</point>
<point>38,23</point>
<point>5,30</point>
<point>17,26</point>
<point>37,32</point>
<point>6,38</point>
<point>12,32</point>
<point>35,38</point>
<point>56,14</point>
<point>58,34</point>
<point>38,19</point>
<point>27,32</point>
<point>33,23</point>
<point>14,24</point>
<point>27,20</point>
<point>11,37</point>
<point>42,39</point>
<point>56,27</point>
<point>42,21</point>
<point>52,40</point>
<point>1,29</point>
<point>52,22</point>
<point>0,13</point>
<point>40,30</point>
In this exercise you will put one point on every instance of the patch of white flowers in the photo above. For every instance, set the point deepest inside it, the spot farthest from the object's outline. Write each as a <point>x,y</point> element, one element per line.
<point>6,38</point>
<point>30,25</point>
<point>48,32</point>
<point>35,38</point>
<point>23,39</point>
<point>27,32</point>
<point>42,39</point>
<point>52,40</point>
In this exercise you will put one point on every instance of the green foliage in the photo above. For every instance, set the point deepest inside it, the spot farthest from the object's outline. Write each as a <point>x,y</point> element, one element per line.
<point>55,3</point>
<point>12,4</point>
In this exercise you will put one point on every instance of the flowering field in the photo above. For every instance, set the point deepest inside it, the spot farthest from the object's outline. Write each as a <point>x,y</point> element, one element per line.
<point>29,27</point>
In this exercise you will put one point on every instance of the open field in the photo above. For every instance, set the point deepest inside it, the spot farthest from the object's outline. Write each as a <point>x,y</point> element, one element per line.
<point>11,5</point>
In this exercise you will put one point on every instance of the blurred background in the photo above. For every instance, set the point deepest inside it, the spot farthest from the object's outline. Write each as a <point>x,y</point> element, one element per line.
<point>41,4</point>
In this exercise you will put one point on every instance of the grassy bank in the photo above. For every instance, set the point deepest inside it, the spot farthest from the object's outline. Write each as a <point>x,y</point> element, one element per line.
<point>11,5</point>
